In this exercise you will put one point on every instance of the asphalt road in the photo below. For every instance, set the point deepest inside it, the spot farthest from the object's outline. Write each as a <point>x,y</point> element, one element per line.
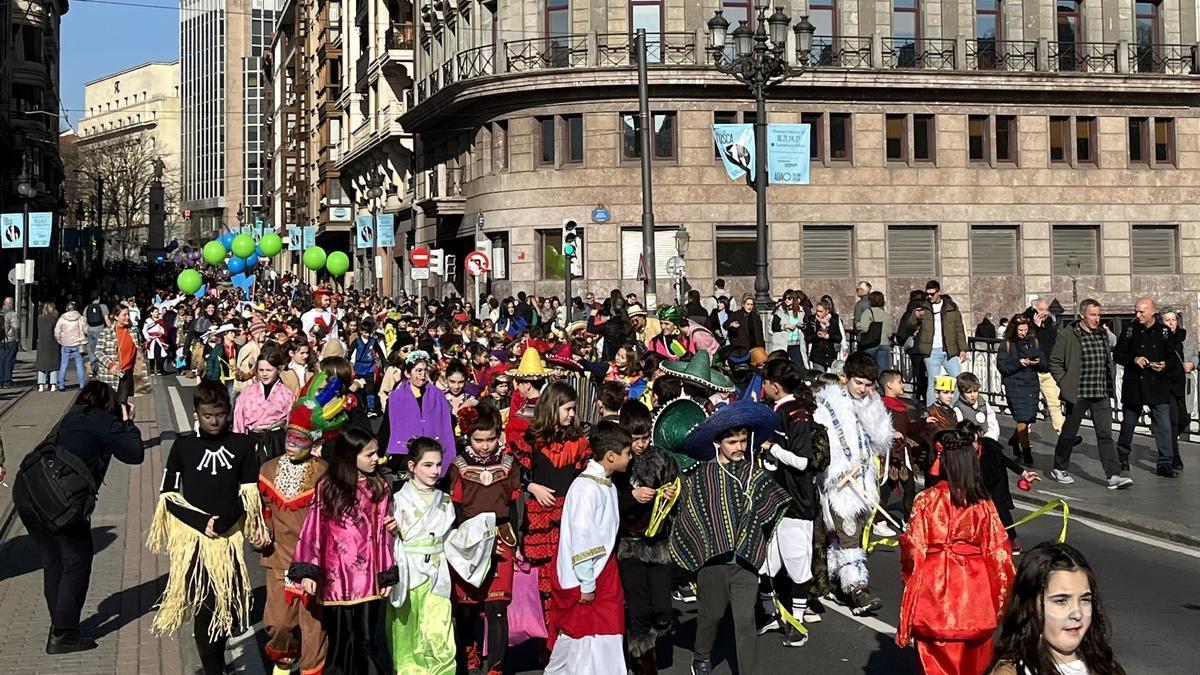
<point>1148,585</point>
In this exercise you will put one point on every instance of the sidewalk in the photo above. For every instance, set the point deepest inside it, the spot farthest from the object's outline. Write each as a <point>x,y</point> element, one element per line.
<point>1161,507</point>
<point>126,578</point>
<point>25,378</point>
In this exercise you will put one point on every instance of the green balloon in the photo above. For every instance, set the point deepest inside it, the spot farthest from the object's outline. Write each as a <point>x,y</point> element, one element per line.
<point>271,244</point>
<point>338,263</point>
<point>314,258</point>
<point>189,280</point>
<point>214,253</point>
<point>243,245</point>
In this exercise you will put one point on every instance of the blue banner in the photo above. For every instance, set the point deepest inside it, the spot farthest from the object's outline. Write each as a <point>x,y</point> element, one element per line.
<point>40,226</point>
<point>12,230</point>
<point>364,232</point>
<point>735,142</point>
<point>386,225</point>
<point>788,154</point>
<point>310,236</point>
<point>294,237</point>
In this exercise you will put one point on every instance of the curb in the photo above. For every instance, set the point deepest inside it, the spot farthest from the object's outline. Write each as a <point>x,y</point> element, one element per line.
<point>6,519</point>
<point>1140,524</point>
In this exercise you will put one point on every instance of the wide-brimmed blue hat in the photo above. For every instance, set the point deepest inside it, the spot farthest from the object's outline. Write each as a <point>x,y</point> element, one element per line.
<point>758,418</point>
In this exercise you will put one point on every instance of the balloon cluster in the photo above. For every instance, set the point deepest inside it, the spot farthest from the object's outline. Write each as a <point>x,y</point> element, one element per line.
<point>336,263</point>
<point>239,255</point>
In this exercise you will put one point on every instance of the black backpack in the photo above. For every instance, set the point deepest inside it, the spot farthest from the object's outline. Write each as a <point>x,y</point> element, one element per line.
<point>94,315</point>
<point>61,490</point>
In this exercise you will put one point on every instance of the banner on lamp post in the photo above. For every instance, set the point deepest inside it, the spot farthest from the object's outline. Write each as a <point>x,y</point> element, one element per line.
<point>294,237</point>
<point>735,143</point>
<point>788,154</point>
<point>385,229</point>
<point>364,232</point>
<point>309,236</point>
<point>40,226</point>
<point>12,230</point>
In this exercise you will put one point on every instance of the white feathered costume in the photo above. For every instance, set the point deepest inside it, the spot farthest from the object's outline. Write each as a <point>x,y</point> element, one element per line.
<point>859,431</point>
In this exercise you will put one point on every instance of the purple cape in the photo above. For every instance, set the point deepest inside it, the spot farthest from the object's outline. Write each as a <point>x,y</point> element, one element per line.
<point>407,419</point>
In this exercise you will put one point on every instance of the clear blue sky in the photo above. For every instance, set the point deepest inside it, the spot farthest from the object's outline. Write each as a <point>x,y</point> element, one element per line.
<point>99,40</point>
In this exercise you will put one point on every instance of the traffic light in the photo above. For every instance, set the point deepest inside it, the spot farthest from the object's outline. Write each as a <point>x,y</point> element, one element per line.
<point>410,239</point>
<point>572,246</point>
<point>451,267</point>
<point>435,261</point>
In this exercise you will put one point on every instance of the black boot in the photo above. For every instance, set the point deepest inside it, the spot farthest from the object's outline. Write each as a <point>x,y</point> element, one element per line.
<point>67,642</point>
<point>1027,457</point>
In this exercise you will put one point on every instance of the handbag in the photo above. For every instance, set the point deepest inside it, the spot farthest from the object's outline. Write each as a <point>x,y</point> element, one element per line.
<point>525,619</point>
<point>59,487</point>
<point>872,336</point>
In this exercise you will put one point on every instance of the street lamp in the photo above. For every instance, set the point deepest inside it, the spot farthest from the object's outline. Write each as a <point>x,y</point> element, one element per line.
<point>760,62</point>
<point>28,192</point>
<point>1073,273</point>
<point>682,239</point>
<point>302,221</point>
<point>374,193</point>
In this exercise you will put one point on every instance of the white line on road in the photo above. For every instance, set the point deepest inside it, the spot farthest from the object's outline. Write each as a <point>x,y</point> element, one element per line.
<point>1131,535</point>
<point>181,418</point>
<point>1055,494</point>
<point>868,621</point>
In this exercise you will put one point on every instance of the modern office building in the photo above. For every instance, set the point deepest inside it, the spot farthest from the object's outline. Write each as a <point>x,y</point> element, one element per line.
<point>224,152</point>
<point>131,119</point>
<point>1008,147</point>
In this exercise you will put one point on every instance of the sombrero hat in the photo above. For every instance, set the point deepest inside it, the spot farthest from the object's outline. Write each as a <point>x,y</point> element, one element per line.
<point>531,366</point>
<point>576,327</point>
<point>670,428</point>
<point>699,371</point>
<point>561,358</point>
<point>757,417</point>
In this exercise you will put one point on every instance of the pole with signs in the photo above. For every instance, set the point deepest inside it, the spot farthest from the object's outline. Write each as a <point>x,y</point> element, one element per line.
<point>645,129</point>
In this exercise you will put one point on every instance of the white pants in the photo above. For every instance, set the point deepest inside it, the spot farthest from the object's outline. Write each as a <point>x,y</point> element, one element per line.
<point>790,548</point>
<point>589,655</point>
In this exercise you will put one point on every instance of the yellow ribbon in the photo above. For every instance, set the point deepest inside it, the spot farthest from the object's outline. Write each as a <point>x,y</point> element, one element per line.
<point>868,544</point>
<point>789,618</point>
<point>662,506</point>
<point>1047,508</point>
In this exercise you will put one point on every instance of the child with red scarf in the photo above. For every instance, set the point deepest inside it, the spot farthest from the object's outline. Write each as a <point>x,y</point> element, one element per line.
<point>484,479</point>
<point>907,454</point>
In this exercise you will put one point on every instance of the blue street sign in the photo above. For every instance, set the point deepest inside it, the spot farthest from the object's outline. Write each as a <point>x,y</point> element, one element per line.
<point>600,215</point>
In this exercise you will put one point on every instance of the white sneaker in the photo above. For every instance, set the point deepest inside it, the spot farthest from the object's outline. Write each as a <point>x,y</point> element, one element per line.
<point>1119,482</point>
<point>1060,476</point>
<point>811,616</point>
<point>883,529</point>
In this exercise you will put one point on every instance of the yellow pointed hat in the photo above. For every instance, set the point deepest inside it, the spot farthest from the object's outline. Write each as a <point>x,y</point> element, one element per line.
<point>531,366</point>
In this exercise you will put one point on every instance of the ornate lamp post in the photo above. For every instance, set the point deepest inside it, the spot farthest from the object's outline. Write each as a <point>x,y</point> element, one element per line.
<point>682,240</point>
<point>28,192</point>
<point>373,193</point>
<point>760,62</point>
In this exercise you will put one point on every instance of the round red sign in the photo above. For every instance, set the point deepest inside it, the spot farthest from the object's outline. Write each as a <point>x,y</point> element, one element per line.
<point>419,256</point>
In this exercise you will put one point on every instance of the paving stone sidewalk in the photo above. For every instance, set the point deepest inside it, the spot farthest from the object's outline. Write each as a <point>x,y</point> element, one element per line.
<point>126,578</point>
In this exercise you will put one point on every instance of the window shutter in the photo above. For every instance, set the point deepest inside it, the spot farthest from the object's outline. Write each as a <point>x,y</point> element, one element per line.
<point>1154,250</point>
<point>827,251</point>
<point>994,250</point>
<point>1081,241</point>
<point>912,250</point>
<point>631,251</point>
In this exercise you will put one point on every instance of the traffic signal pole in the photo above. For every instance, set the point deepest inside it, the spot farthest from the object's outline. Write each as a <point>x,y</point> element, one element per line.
<point>649,290</point>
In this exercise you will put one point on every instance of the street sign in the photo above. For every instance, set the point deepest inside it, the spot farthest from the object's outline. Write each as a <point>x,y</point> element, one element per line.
<point>477,263</point>
<point>600,214</point>
<point>40,225</point>
<point>12,230</point>
<point>643,271</point>
<point>676,265</point>
<point>419,257</point>
<point>419,273</point>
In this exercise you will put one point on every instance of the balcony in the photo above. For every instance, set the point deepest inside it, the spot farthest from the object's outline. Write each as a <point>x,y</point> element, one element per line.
<point>861,53</point>
<point>399,36</point>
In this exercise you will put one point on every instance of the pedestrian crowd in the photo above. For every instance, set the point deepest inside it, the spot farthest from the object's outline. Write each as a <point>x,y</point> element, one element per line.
<point>427,483</point>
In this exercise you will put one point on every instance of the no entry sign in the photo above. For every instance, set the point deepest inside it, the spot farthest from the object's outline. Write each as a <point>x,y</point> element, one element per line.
<point>419,257</point>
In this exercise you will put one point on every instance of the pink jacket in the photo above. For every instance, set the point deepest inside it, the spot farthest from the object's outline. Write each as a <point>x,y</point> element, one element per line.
<point>350,558</point>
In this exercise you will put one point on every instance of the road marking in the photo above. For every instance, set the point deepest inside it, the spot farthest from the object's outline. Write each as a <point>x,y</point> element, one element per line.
<point>1131,535</point>
<point>868,621</point>
<point>1055,494</point>
<point>181,418</point>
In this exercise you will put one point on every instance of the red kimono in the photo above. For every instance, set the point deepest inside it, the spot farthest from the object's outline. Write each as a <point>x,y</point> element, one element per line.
<point>957,568</point>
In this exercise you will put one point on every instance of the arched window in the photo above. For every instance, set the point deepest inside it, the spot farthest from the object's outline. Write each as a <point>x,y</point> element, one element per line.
<point>989,26</point>
<point>1070,34</point>
<point>1148,35</point>
<point>906,32</point>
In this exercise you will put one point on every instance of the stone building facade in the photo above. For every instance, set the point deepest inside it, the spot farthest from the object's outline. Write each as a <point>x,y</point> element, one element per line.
<point>1002,147</point>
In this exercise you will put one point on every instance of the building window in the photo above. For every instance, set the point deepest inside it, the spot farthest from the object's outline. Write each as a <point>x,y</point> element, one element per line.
<point>662,140</point>
<point>546,153</point>
<point>912,251</point>
<point>841,134</point>
<point>553,263</point>
<point>631,250</point>
<point>735,249</point>
<point>1079,241</point>
<point>822,14</point>
<point>816,136</point>
<point>572,130</point>
<point>896,136</point>
<point>31,43</point>
<point>722,117</point>
<point>1148,34</point>
<point>558,21</point>
<point>924,138</point>
<point>1006,139</point>
<point>1085,140</point>
<point>1060,140</point>
<point>648,14</point>
<point>906,32</point>
<point>1139,133</point>
<point>500,146</point>
<point>977,139</point>
<point>988,30</point>
<point>1070,34</point>
<point>1164,140</point>
<point>827,251</point>
<point>1154,249</point>
<point>994,250</point>
<point>1073,140</point>
<point>992,136</point>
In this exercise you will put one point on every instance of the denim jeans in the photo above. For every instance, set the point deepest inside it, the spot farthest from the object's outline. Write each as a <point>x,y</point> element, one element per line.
<point>882,355</point>
<point>933,367</point>
<point>49,377</point>
<point>71,354</point>
<point>1160,427</point>
<point>93,338</point>
<point>8,360</point>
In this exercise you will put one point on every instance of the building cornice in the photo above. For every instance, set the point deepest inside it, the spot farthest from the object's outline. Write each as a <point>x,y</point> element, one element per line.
<point>130,70</point>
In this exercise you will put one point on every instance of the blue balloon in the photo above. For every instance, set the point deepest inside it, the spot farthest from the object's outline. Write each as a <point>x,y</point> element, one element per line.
<point>251,261</point>
<point>258,251</point>
<point>227,240</point>
<point>235,264</point>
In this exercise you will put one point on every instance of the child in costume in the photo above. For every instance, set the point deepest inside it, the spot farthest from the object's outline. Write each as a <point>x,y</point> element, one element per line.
<point>208,507</point>
<point>420,625</point>
<point>940,414</point>
<point>973,409</point>
<point>907,455</point>
<point>288,486</point>
<point>587,601</point>
<point>956,565</point>
<point>860,434</point>
<point>790,458</point>
<point>646,493</point>
<point>344,557</point>
<point>485,479</point>
<point>729,508</point>
<point>263,406</point>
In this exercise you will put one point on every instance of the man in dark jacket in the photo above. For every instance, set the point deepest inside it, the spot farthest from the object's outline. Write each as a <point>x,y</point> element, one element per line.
<point>1144,348</point>
<point>942,337</point>
<point>1082,365</point>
